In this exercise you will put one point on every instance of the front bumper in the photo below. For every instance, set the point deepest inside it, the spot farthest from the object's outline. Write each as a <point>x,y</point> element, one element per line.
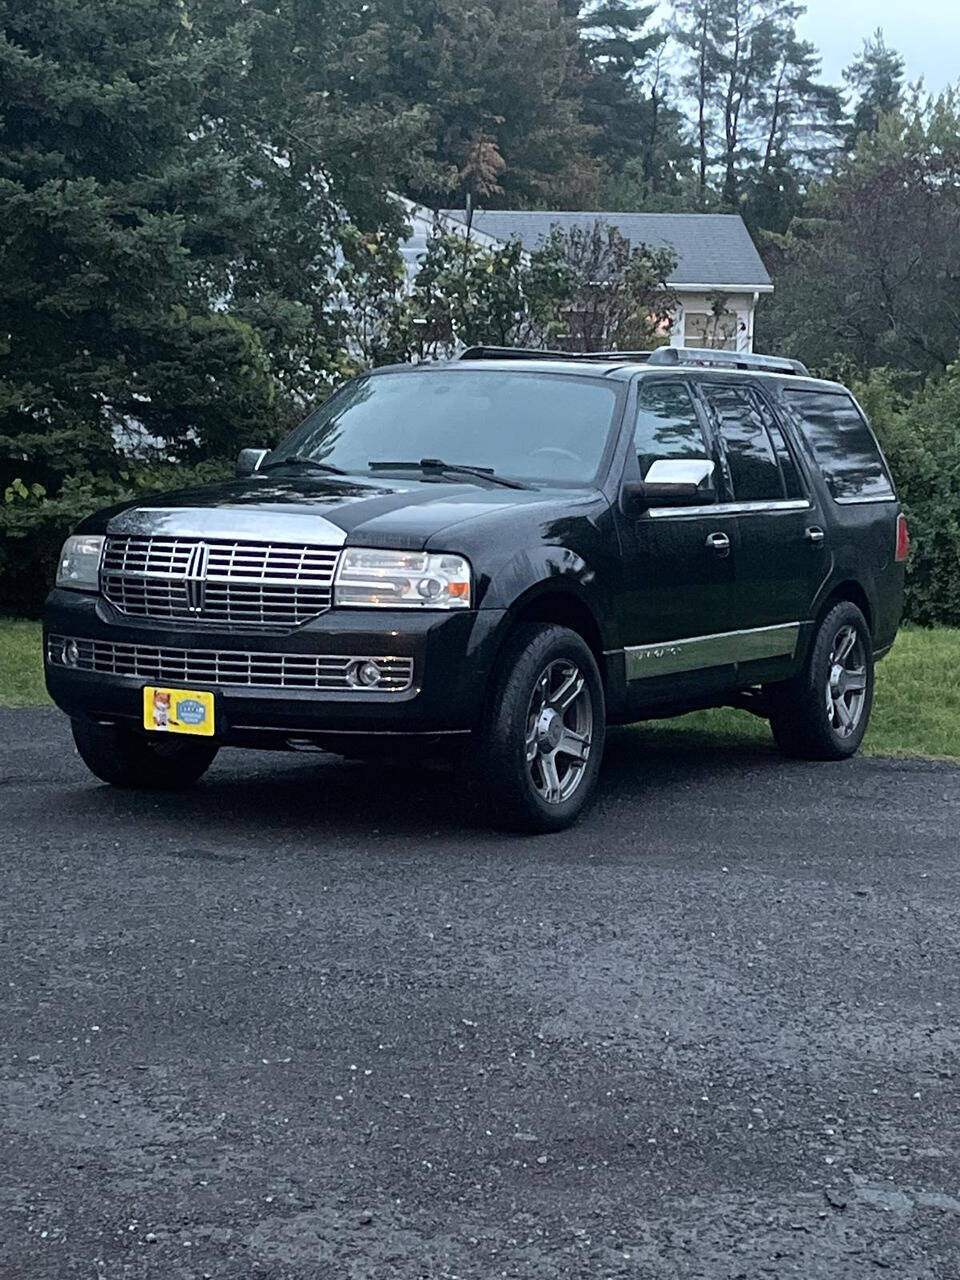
<point>451,654</point>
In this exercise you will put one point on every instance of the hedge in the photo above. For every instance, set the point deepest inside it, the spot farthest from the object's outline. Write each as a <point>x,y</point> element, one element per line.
<point>920,434</point>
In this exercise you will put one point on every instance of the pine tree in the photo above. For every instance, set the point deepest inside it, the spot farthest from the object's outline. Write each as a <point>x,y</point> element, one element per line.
<point>876,80</point>
<point>504,72</point>
<point>111,184</point>
<point>616,46</point>
<point>696,30</point>
<point>802,122</point>
<point>187,204</point>
<point>764,123</point>
<point>636,132</point>
<point>748,35</point>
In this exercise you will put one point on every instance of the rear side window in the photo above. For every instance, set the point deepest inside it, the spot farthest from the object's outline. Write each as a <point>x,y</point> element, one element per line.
<point>667,424</point>
<point>842,444</point>
<point>754,470</point>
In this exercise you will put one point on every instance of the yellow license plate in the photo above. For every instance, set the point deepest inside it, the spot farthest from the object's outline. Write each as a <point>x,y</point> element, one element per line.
<point>178,711</point>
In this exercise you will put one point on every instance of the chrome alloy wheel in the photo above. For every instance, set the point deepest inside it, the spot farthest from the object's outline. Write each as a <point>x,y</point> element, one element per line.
<point>846,681</point>
<point>559,730</point>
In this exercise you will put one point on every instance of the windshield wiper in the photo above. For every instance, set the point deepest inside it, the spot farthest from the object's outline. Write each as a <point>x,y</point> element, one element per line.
<point>453,468</point>
<point>302,461</point>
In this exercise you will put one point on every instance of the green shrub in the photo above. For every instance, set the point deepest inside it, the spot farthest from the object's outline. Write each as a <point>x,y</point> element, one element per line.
<point>33,526</point>
<point>920,434</point>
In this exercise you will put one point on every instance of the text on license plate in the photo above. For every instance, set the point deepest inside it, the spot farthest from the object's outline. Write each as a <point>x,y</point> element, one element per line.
<point>178,711</point>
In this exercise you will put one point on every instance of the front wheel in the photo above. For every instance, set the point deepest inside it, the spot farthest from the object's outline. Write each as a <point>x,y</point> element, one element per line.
<point>822,714</point>
<point>128,759</point>
<point>538,755</point>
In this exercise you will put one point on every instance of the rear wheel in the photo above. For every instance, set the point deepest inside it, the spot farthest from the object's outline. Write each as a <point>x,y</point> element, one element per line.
<point>538,756</point>
<point>128,759</point>
<point>823,713</point>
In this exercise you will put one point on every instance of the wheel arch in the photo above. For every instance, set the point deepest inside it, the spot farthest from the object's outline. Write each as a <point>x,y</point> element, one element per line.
<point>563,607</point>
<point>850,590</point>
<point>550,603</point>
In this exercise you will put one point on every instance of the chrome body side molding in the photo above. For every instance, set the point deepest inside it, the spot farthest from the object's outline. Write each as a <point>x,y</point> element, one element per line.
<point>731,508</point>
<point>726,648</point>
<point>866,502</point>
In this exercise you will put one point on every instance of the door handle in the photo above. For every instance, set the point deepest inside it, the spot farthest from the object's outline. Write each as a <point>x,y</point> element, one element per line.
<point>718,542</point>
<point>814,535</point>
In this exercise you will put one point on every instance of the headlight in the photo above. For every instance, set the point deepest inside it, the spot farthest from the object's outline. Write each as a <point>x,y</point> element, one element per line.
<point>401,580</point>
<point>79,565</point>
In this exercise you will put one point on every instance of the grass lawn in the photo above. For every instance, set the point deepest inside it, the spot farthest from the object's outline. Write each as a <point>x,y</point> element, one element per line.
<point>916,703</point>
<point>21,664</point>
<point>916,708</point>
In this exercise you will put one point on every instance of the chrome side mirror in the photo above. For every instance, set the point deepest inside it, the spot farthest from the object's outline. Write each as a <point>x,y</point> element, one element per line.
<point>680,473</point>
<point>670,482</point>
<point>249,460</point>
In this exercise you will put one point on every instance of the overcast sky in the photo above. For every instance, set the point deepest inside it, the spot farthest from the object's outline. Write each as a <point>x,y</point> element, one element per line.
<point>926,32</point>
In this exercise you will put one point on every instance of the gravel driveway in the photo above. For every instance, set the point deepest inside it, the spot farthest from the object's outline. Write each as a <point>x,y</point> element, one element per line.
<point>303,1022</point>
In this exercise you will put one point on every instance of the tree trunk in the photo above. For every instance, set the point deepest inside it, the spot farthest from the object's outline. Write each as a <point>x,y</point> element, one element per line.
<point>651,147</point>
<point>774,120</point>
<point>730,118</point>
<point>702,106</point>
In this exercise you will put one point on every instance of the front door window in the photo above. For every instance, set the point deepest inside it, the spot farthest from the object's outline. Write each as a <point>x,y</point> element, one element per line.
<point>667,425</point>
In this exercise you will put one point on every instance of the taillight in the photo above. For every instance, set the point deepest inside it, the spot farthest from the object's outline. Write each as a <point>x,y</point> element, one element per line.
<point>903,539</point>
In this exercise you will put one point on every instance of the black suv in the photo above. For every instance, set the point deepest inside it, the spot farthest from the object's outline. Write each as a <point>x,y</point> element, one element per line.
<point>505,553</point>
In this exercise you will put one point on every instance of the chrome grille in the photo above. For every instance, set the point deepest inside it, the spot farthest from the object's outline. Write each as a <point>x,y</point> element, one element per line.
<point>229,667</point>
<point>242,584</point>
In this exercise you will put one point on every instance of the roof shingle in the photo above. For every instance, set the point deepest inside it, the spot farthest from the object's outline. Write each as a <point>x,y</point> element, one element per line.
<point>713,249</point>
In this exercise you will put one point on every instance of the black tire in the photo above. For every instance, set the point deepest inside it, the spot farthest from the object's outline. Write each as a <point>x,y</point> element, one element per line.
<point>125,758</point>
<point>805,713</point>
<point>506,781</point>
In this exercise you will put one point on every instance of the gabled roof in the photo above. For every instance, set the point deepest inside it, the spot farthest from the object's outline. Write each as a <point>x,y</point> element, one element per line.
<point>713,249</point>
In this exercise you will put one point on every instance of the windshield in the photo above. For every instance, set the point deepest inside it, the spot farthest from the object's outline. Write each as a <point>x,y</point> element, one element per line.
<point>526,426</point>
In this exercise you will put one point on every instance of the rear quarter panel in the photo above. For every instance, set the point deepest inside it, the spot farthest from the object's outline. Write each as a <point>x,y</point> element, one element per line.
<point>864,541</point>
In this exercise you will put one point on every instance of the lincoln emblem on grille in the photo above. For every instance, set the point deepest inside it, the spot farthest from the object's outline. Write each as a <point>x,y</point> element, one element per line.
<point>195,579</point>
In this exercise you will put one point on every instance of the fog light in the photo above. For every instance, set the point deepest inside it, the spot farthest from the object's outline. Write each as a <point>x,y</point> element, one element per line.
<point>364,674</point>
<point>70,653</point>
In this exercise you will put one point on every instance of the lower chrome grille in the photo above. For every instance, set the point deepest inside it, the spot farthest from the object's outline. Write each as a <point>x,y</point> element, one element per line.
<point>228,667</point>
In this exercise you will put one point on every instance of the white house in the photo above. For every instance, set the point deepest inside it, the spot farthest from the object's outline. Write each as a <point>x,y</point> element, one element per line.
<point>716,259</point>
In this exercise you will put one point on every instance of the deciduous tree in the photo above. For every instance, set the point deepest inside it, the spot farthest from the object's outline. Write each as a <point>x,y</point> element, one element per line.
<point>870,271</point>
<point>614,294</point>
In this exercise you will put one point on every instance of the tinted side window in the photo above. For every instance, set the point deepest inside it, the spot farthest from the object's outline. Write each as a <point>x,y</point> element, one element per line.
<point>753,464</point>
<point>667,424</point>
<point>842,444</point>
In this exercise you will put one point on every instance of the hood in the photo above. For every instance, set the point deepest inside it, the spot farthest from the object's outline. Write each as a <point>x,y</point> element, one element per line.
<point>327,510</point>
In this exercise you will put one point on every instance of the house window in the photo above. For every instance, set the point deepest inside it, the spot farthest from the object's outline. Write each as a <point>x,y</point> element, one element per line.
<point>707,329</point>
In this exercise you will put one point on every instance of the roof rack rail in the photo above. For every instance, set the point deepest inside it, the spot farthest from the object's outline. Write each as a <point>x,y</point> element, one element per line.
<point>710,358</point>
<point>530,353</point>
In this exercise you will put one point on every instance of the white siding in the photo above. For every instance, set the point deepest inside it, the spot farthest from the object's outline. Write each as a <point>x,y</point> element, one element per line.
<point>740,305</point>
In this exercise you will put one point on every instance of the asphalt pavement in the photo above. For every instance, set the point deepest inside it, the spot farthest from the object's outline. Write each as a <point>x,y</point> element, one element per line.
<point>304,1021</point>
